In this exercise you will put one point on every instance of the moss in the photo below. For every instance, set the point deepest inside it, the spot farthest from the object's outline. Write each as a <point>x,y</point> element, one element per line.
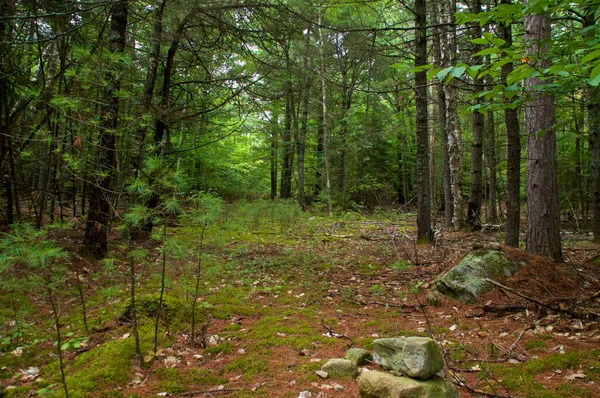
<point>248,365</point>
<point>176,381</point>
<point>225,348</point>
<point>173,310</point>
<point>535,345</point>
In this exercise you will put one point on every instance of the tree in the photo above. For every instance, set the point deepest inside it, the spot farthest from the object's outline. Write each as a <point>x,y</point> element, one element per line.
<point>543,225</point>
<point>95,241</point>
<point>474,205</point>
<point>424,232</point>
<point>513,149</point>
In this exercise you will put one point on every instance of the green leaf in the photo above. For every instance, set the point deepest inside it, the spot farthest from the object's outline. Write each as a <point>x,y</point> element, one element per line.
<point>595,81</point>
<point>590,56</point>
<point>488,51</point>
<point>441,75</point>
<point>458,71</point>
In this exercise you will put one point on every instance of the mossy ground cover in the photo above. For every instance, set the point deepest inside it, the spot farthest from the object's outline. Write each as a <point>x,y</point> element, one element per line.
<point>278,295</point>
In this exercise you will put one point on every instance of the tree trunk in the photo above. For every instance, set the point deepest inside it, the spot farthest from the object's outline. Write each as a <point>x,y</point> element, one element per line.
<point>474,206</point>
<point>424,232</point>
<point>95,240</point>
<point>288,148</point>
<point>324,124</point>
<point>543,224</point>
<point>490,158</point>
<point>438,33</point>
<point>513,153</point>
<point>454,133</point>
<point>307,80</point>
<point>149,83</point>
<point>273,155</point>
<point>592,97</point>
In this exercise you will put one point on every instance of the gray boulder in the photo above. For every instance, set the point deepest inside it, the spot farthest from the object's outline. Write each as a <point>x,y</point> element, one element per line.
<point>340,368</point>
<point>387,353</point>
<point>417,357</point>
<point>465,281</point>
<point>359,356</point>
<point>375,384</point>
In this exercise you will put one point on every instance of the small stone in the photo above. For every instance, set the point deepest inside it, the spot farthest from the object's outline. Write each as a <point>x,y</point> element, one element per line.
<point>322,374</point>
<point>338,388</point>
<point>304,353</point>
<point>305,394</point>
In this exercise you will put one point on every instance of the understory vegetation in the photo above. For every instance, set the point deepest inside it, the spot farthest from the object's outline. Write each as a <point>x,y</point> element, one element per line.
<point>277,291</point>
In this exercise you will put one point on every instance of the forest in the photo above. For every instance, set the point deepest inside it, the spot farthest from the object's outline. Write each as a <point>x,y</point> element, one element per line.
<point>213,198</point>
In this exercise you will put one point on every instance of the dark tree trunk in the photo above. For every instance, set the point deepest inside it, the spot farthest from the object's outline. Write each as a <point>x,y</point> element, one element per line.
<point>149,83</point>
<point>543,224</point>
<point>593,116</point>
<point>95,240</point>
<point>474,205</point>
<point>273,155</point>
<point>513,154</point>
<point>490,156</point>
<point>424,232</point>
<point>288,147</point>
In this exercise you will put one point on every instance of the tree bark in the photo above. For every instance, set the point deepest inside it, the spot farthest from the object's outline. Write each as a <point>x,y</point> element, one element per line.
<point>543,224</point>
<point>95,240</point>
<point>513,153</point>
<point>324,124</point>
<point>307,80</point>
<point>438,32</point>
<point>424,232</point>
<point>474,206</point>
<point>454,133</point>
<point>149,83</point>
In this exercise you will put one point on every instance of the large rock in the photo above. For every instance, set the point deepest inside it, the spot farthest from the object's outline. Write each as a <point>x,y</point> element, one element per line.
<point>360,356</point>
<point>465,281</point>
<point>387,353</point>
<point>375,384</point>
<point>341,368</point>
<point>417,357</point>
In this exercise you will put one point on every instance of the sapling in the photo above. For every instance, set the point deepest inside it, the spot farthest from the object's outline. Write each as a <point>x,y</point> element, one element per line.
<point>207,209</point>
<point>30,248</point>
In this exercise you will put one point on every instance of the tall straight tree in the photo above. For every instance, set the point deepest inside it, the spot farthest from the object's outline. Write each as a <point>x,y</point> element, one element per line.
<point>474,205</point>
<point>95,240</point>
<point>513,152</point>
<point>455,156</point>
<point>543,224</point>
<point>424,232</point>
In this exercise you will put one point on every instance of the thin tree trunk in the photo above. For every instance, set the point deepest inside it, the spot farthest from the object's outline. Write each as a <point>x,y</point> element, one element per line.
<point>449,45</point>
<point>513,153</point>
<point>324,120</point>
<point>543,225</point>
<point>490,157</point>
<point>307,79</point>
<point>438,33</point>
<point>273,155</point>
<point>149,83</point>
<point>95,240</point>
<point>424,232</point>
<point>474,206</point>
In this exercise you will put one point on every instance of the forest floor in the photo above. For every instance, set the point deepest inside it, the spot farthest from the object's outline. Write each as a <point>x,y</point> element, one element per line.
<point>276,305</point>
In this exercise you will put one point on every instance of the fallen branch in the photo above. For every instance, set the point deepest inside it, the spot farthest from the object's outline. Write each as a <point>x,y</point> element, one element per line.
<point>579,314</point>
<point>479,392</point>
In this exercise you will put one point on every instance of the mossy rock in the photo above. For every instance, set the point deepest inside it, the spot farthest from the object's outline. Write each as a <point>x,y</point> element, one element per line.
<point>466,281</point>
<point>173,309</point>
